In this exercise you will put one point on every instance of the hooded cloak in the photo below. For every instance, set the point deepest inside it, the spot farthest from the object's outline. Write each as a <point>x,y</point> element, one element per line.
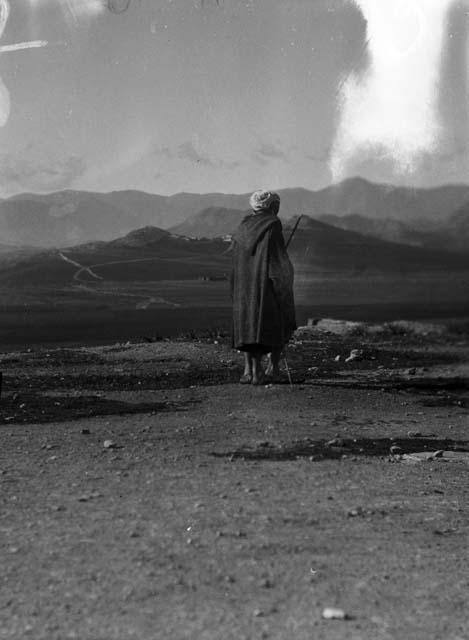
<point>262,285</point>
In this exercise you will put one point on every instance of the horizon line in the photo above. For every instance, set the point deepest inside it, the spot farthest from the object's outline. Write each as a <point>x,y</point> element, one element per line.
<point>242,193</point>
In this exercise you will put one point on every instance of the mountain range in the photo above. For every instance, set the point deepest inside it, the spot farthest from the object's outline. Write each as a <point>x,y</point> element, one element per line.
<point>152,254</point>
<point>68,218</point>
<point>452,234</point>
<point>318,247</point>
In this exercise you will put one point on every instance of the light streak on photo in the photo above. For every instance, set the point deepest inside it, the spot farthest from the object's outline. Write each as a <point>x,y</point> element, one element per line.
<point>33,44</point>
<point>4,93</point>
<point>390,111</point>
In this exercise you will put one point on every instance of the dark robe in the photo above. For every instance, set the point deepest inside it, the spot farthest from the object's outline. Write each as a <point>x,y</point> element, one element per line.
<point>261,285</point>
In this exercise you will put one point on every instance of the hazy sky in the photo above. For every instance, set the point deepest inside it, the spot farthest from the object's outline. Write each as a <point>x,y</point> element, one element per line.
<point>185,95</point>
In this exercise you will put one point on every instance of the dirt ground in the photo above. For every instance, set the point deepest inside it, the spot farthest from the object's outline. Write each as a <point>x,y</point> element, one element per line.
<point>147,495</point>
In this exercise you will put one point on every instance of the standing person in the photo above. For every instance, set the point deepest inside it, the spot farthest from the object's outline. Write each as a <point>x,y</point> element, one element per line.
<point>262,288</point>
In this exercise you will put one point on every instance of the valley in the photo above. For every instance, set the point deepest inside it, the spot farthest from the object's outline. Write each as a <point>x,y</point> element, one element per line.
<point>130,282</point>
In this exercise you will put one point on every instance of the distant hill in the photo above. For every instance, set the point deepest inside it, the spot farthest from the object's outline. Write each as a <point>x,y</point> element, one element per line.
<point>13,249</point>
<point>388,229</point>
<point>147,254</point>
<point>151,254</point>
<point>211,223</point>
<point>61,219</point>
<point>451,234</point>
<point>67,218</point>
<point>381,201</point>
<point>425,208</point>
<point>457,228</point>
<point>318,247</point>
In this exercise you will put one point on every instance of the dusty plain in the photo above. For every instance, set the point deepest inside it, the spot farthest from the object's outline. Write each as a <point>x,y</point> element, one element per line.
<point>147,495</point>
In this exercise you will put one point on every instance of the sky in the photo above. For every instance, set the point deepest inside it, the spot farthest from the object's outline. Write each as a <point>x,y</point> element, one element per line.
<point>230,96</point>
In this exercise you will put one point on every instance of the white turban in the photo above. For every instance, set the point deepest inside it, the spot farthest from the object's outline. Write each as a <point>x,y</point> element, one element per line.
<point>262,200</point>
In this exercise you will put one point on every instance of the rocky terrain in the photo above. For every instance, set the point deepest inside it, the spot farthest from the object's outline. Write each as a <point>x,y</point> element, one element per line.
<point>146,494</point>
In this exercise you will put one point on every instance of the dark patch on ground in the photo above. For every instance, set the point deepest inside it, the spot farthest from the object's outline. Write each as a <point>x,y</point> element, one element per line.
<point>124,381</point>
<point>446,400</point>
<point>432,385</point>
<point>33,408</point>
<point>345,447</point>
<point>437,390</point>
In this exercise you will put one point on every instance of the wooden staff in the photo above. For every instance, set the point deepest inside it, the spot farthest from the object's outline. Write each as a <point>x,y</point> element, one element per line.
<point>293,232</point>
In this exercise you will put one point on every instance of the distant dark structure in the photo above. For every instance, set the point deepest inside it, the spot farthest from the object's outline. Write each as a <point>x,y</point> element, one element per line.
<point>118,6</point>
<point>213,278</point>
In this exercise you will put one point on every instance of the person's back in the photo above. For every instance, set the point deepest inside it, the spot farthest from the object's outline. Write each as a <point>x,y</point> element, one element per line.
<point>262,287</point>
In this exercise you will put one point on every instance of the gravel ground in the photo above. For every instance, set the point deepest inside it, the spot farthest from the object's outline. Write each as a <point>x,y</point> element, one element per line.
<point>147,495</point>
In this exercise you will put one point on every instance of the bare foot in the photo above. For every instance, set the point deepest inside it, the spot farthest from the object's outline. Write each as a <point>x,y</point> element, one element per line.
<point>258,378</point>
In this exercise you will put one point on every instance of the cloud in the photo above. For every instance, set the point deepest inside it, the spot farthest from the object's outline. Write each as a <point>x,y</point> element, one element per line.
<point>392,107</point>
<point>29,174</point>
<point>270,151</point>
<point>187,151</point>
